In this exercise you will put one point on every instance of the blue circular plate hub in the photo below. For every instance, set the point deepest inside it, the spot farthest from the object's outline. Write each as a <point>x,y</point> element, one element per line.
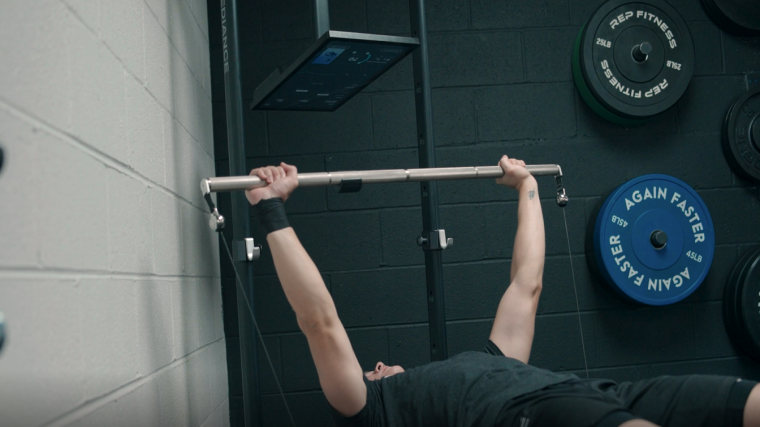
<point>654,240</point>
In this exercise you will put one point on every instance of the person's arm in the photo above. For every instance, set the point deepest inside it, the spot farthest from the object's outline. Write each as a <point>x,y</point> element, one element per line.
<point>340,374</point>
<point>515,319</point>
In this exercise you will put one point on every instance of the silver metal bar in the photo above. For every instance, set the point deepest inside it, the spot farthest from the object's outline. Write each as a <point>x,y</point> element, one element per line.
<point>323,179</point>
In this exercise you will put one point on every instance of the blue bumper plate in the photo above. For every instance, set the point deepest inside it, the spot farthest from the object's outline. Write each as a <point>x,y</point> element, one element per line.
<point>654,240</point>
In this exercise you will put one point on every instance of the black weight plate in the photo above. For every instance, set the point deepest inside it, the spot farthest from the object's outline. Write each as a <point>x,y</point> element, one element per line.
<point>589,242</point>
<point>750,306</point>
<point>631,88</point>
<point>730,305</point>
<point>733,306</point>
<point>729,299</point>
<point>743,339</point>
<point>740,17</point>
<point>741,136</point>
<point>724,128</point>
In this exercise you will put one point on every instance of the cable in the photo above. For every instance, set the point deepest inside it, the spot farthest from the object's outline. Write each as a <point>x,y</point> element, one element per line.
<point>575,288</point>
<point>258,332</point>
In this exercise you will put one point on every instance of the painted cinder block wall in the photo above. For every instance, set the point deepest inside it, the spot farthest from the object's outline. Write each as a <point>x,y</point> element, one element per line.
<point>502,84</point>
<point>109,274</point>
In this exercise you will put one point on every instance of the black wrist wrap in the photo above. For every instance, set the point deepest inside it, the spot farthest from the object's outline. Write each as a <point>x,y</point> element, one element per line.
<point>271,214</point>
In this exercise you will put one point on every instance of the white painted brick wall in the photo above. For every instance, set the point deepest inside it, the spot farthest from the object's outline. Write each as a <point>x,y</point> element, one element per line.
<point>122,31</point>
<point>98,109</point>
<point>159,72</point>
<point>153,300</point>
<point>109,274</point>
<point>88,11</point>
<point>109,335</point>
<point>145,132</point>
<point>41,363</point>
<point>72,205</point>
<point>36,74</point>
<point>130,229</point>
<point>20,172</point>
<point>168,260</point>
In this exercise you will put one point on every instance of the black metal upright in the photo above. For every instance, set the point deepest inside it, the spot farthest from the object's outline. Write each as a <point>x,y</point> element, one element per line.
<point>321,18</point>
<point>233,94</point>
<point>426,149</point>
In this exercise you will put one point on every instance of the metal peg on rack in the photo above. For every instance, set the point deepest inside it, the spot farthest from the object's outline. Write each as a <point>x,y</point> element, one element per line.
<point>435,240</point>
<point>245,250</point>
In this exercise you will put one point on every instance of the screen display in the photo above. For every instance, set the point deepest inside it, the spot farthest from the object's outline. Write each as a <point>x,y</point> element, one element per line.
<point>334,74</point>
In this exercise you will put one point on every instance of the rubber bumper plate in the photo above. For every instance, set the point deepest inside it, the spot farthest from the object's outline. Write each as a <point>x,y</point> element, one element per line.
<point>740,139</point>
<point>740,17</point>
<point>741,305</point>
<point>633,60</point>
<point>653,240</point>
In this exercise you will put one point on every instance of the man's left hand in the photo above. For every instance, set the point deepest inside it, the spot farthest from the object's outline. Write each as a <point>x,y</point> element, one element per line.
<point>515,173</point>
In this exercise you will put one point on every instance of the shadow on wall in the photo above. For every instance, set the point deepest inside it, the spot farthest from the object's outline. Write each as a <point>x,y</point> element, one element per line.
<point>188,390</point>
<point>176,310</point>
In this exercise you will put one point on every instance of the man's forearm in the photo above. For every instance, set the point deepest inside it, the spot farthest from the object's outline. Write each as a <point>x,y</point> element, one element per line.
<point>301,281</point>
<point>529,249</point>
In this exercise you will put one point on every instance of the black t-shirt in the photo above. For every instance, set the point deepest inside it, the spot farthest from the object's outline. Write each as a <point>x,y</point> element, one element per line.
<point>469,389</point>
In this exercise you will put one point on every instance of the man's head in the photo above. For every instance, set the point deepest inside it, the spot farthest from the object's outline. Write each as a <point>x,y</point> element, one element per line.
<point>382,371</point>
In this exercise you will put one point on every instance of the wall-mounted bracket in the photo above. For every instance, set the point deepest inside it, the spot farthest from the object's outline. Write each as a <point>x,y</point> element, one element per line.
<point>245,250</point>
<point>434,240</point>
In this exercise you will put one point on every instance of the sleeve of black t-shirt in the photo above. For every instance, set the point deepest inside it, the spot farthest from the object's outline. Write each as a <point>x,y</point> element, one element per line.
<point>492,349</point>
<point>371,413</point>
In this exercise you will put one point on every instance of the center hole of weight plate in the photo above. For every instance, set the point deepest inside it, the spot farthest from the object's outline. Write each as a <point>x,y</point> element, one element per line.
<point>658,238</point>
<point>641,52</point>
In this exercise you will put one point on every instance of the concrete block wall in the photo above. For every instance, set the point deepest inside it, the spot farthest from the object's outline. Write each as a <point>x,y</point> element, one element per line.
<point>502,83</point>
<point>109,274</point>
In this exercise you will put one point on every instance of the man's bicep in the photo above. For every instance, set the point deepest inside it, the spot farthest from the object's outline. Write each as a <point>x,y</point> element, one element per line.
<point>340,374</point>
<point>514,324</point>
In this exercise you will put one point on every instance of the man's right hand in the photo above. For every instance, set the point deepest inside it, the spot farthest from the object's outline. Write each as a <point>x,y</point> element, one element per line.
<point>281,180</point>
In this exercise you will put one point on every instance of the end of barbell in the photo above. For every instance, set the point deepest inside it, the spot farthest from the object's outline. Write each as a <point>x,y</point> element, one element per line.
<point>205,186</point>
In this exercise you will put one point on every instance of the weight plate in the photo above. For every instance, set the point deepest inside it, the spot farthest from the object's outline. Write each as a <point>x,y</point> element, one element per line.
<point>741,136</point>
<point>653,240</point>
<point>732,305</point>
<point>729,293</point>
<point>750,306</point>
<point>632,60</point>
<point>741,331</point>
<point>740,17</point>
